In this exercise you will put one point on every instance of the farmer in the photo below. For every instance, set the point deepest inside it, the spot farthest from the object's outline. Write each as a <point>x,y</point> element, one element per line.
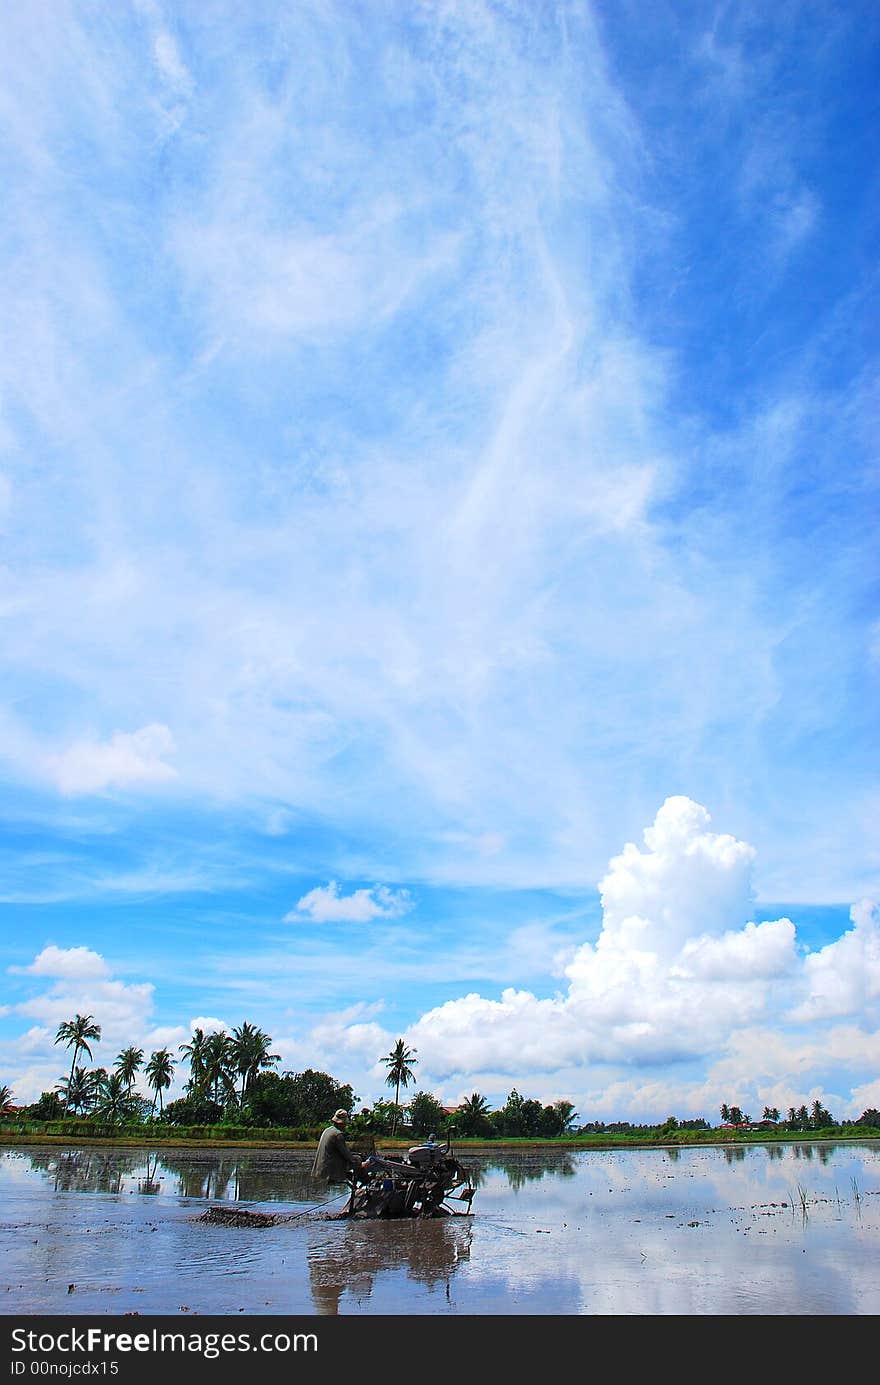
<point>334,1161</point>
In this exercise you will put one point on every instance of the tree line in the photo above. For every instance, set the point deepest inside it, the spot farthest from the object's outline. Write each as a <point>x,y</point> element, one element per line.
<point>817,1117</point>
<point>232,1082</point>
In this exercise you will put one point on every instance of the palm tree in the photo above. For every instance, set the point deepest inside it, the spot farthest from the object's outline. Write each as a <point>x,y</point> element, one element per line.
<point>400,1073</point>
<point>77,1091</point>
<point>96,1078</point>
<point>128,1065</point>
<point>471,1114</point>
<point>217,1065</point>
<point>76,1034</point>
<point>249,1052</point>
<point>196,1052</point>
<point>159,1072</point>
<point>5,1100</point>
<point>114,1102</point>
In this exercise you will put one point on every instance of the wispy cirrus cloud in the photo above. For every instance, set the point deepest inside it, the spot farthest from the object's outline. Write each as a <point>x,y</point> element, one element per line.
<point>128,758</point>
<point>467,578</point>
<point>421,436</point>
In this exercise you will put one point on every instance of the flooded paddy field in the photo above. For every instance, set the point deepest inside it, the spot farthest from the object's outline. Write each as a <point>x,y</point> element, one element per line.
<point>776,1229</point>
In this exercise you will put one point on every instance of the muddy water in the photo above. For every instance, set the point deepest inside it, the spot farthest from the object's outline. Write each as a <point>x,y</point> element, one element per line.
<point>758,1230</point>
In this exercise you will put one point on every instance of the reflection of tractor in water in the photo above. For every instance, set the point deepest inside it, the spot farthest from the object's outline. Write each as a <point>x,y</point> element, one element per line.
<point>420,1184</point>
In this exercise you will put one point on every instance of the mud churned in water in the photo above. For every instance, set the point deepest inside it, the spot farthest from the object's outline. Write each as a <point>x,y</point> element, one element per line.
<point>239,1216</point>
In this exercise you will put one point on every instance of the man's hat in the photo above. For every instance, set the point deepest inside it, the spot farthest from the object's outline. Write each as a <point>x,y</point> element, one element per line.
<point>340,1115</point>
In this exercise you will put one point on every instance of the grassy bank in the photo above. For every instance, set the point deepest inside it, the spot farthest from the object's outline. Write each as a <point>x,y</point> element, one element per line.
<point>86,1133</point>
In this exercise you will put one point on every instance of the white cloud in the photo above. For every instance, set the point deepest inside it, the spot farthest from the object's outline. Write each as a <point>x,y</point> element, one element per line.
<point>82,982</point>
<point>689,880</point>
<point>478,591</point>
<point>669,977</point>
<point>120,1008</point>
<point>127,759</point>
<point>68,962</point>
<point>672,1008</point>
<point>326,905</point>
<point>35,1039</point>
<point>844,977</point>
<point>209,1024</point>
<point>759,950</point>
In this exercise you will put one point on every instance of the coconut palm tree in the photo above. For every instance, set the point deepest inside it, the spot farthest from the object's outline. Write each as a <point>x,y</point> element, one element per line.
<point>5,1100</point>
<point>128,1065</point>
<point>249,1052</point>
<point>114,1102</point>
<point>219,1078</point>
<point>470,1118</point>
<point>196,1052</point>
<point>77,1091</point>
<point>400,1073</point>
<point>96,1078</point>
<point>76,1034</point>
<point>159,1072</point>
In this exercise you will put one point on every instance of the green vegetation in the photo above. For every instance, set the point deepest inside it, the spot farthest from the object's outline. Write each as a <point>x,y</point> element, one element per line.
<point>233,1095</point>
<point>399,1064</point>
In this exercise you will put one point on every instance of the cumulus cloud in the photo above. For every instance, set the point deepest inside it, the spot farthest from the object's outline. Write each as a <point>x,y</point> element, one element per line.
<point>689,880</point>
<point>681,1001</point>
<point>127,759</point>
<point>209,1024</point>
<point>677,972</point>
<point>844,977</point>
<point>326,905</point>
<point>123,1008</point>
<point>82,983</point>
<point>758,950</point>
<point>67,962</point>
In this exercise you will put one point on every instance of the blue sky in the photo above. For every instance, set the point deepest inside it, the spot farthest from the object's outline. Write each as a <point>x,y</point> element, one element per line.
<point>438,496</point>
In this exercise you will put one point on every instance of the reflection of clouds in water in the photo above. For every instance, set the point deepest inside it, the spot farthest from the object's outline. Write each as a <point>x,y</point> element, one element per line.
<point>610,1232</point>
<point>349,1258</point>
<point>695,1234</point>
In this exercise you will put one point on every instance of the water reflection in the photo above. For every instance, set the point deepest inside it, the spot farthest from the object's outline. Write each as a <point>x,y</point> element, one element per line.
<point>260,1177</point>
<point>83,1171</point>
<point>343,1267</point>
<point>202,1176</point>
<point>742,1229</point>
<point>151,1182</point>
<point>807,1152</point>
<point>520,1169</point>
